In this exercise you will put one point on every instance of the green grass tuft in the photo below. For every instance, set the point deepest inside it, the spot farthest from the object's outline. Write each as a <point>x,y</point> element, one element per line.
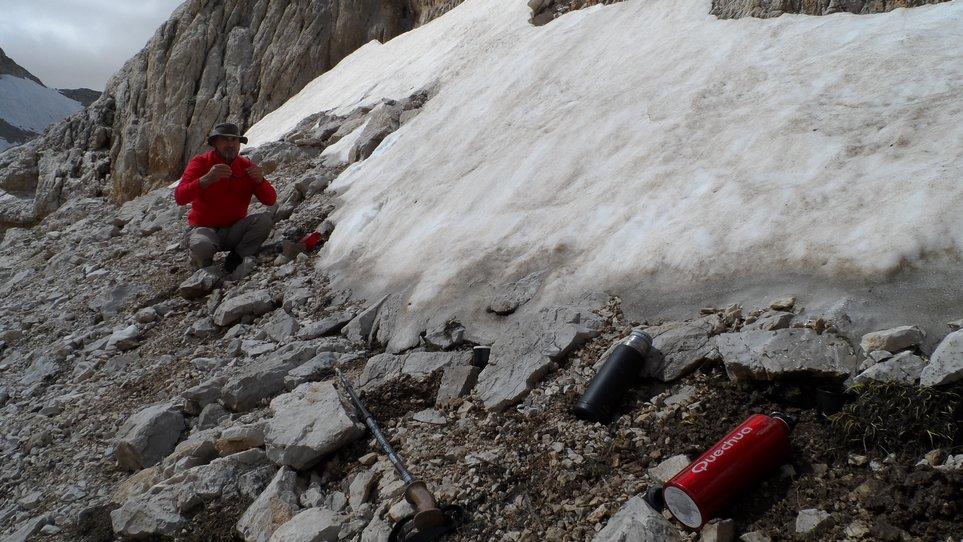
<point>895,418</point>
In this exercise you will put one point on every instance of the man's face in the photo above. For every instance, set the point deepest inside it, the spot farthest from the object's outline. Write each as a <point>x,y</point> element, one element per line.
<point>227,147</point>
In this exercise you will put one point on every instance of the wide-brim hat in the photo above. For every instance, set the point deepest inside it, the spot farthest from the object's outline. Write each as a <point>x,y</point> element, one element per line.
<point>226,129</point>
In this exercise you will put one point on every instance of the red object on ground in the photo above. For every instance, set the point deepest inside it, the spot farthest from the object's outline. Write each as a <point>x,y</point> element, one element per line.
<point>741,458</point>
<point>225,202</point>
<point>310,241</point>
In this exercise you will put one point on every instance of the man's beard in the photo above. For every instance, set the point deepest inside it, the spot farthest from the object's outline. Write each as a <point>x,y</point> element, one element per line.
<point>228,157</point>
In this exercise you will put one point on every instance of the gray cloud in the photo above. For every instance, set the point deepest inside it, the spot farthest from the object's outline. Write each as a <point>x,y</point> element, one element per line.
<point>78,43</point>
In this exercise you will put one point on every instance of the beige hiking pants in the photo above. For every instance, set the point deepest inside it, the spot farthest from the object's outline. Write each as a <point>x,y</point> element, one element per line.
<point>244,237</point>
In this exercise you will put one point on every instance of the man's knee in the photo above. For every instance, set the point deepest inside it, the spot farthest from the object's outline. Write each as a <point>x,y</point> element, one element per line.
<point>257,229</point>
<point>202,248</point>
<point>260,227</point>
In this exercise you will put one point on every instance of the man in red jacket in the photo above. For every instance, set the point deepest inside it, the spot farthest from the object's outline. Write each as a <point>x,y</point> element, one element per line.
<point>219,184</point>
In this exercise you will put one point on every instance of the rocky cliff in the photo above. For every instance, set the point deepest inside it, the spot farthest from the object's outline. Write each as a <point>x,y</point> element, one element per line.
<point>544,11</point>
<point>734,9</point>
<point>211,61</point>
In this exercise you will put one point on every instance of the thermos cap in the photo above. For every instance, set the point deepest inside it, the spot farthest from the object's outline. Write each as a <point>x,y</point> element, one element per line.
<point>639,341</point>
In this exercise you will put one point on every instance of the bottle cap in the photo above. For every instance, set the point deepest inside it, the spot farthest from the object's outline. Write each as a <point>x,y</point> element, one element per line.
<point>639,341</point>
<point>788,419</point>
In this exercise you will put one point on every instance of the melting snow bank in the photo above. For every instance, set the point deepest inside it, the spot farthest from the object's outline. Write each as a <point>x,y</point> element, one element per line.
<point>648,143</point>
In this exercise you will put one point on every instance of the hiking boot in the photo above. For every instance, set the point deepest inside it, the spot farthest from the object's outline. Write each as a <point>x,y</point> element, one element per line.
<point>232,261</point>
<point>242,270</point>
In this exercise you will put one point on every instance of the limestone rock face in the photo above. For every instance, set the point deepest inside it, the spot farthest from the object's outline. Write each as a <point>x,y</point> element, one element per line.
<point>210,62</point>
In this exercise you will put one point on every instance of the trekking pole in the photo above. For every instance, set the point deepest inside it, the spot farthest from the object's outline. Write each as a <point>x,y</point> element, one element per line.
<point>429,521</point>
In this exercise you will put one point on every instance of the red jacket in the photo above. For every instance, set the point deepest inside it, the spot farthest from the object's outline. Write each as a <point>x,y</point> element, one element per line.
<point>226,201</point>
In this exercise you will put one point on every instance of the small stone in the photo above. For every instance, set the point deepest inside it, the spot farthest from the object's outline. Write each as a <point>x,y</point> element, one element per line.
<point>772,321</point>
<point>684,395</point>
<point>31,501</point>
<point>783,303</point>
<point>718,530</point>
<point>637,521</point>
<point>125,339</point>
<point>400,510</point>
<point>281,326</point>
<point>336,500</point>
<point>892,340</point>
<point>198,285</point>
<point>856,529</point>
<point>430,416</point>
<point>368,459</point>
<point>311,525</point>
<point>665,470</point>
<point>812,519</point>
<point>755,536</point>
<point>858,460</point>
<point>26,530</point>
<point>203,328</point>
<point>248,304</point>
<point>360,489</point>
<point>145,315</point>
<point>946,364</point>
<point>327,326</point>
<point>238,439</point>
<point>785,354</point>
<point>211,416</point>
<point>50,529</point>
<point>952,463</point>
<point>456,381</point>
<point>308,423</point>
<point>275,506</point>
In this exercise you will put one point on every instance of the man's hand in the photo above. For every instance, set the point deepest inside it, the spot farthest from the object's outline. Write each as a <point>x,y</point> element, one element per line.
<point>256,173</point>
<point>218,172</point>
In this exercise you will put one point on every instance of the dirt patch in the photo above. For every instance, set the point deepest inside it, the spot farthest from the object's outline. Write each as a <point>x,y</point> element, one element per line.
<point>537,473</point>
<point>215,522</point>
<point>401,396</point>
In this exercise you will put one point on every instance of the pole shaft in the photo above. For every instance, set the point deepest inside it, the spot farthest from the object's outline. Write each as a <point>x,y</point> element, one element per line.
<point>376,431</point>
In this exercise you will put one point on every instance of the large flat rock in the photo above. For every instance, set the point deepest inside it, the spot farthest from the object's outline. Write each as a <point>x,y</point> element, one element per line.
<point>264,379</point>
<point>385,368</point>
<point>526,351</point>
<point>148,436</point>
<point>785,353</point>
<point>679,348</point>
<point>308,423</point>
<point>234,309</point>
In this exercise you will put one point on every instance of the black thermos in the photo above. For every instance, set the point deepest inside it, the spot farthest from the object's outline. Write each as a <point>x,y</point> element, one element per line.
<point>621,371</point>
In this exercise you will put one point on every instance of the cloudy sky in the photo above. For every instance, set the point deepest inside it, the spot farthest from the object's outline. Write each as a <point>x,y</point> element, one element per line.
<point>78,43</point>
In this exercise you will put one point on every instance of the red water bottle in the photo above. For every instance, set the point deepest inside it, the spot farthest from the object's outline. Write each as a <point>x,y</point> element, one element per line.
<point>738,460</point>
<point>310,241</point>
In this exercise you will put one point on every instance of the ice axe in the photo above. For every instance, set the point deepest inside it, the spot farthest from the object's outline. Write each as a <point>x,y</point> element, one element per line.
<point>429,521</point>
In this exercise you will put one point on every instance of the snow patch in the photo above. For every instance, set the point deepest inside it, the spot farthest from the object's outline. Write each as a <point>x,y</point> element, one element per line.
<point>33,107</point>
<point>648,141</point>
